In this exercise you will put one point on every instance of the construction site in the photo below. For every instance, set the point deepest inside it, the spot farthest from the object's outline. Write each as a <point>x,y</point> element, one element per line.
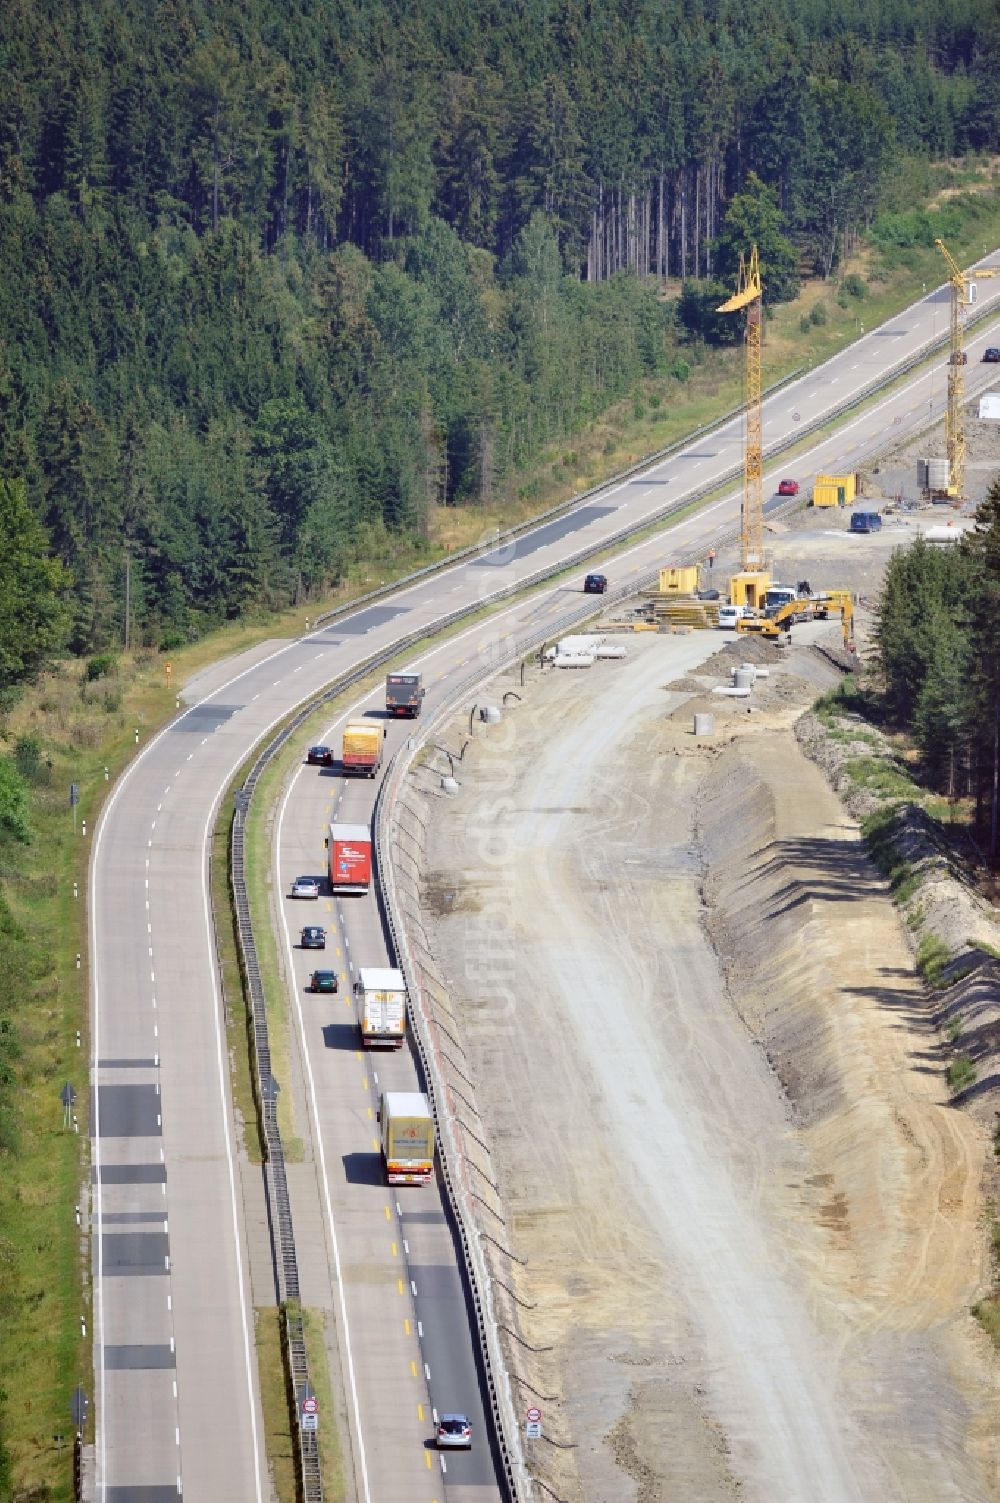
<point>735,1221</point>
<point>742,1228</point>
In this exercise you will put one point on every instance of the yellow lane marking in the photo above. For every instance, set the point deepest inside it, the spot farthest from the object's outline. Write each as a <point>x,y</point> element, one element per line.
<point>413,1369</point>
<point>395,1250</point>
<point>406,1328</point>
<point>388,1214</point>
<point>364,1081</point>
<point>369,1114</point>
<point>420,1413</point>
<point>374,1140</point>
<point>399,1285</point>
<point>339,951</point>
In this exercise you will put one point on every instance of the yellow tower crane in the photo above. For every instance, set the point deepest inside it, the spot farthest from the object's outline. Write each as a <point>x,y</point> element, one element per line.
<point>750,585</point>
<point>963,295</point>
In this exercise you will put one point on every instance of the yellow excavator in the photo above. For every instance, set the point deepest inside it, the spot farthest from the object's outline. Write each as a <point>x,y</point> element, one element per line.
<point>811,608</point>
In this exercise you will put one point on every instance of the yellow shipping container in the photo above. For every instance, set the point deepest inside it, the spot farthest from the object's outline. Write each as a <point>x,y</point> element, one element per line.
<point>679,581</point>
<point>834,490</point>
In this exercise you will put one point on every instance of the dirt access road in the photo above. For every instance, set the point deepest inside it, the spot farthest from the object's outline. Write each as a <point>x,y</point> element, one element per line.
<point>752,1228</point>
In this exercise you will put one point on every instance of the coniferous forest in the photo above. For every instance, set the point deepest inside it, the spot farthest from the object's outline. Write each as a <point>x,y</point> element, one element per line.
<point>277,273</point>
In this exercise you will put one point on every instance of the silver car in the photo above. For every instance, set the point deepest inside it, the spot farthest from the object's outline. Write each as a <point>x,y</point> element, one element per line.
<point>305,887</point>
<point>454,1433</point>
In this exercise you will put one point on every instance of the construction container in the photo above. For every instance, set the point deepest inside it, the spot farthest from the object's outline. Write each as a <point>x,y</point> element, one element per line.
<point>744,676</point>
<point>749,589</point>
<point>704,725</point>
<point>835,490</point>
<point>938,476</point>
<point>679,581</point>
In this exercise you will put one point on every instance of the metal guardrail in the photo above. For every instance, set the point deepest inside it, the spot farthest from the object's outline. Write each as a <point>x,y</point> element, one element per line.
<point>275,1178</point>
<point>559,510</point>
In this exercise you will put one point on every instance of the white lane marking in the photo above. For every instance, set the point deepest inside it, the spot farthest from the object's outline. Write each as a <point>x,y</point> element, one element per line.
<point>324,1175</point>
<point>427,1372</point>
<point>420,1333</point>
<point>299,668</point>
<point>190,755</point>
<point>413,1288</point>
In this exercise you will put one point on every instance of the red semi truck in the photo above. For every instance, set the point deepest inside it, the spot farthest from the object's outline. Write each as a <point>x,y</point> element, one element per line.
<point>350,848</point>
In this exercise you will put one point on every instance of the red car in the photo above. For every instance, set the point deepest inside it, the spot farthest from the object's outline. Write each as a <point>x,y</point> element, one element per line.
<point>788,487</point>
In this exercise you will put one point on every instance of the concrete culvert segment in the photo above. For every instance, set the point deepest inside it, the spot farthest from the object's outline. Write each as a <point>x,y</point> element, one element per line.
<point>683,1006</point>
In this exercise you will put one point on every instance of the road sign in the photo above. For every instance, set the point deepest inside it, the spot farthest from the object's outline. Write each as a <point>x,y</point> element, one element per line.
<point>310,1422</point>
<point>74,795</point>
<point>533,1416</point>
<point>533,1430</point>
<point>310,1406</point>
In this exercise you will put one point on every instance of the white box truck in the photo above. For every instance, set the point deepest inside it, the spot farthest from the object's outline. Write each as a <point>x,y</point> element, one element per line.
<point>381,1002</point>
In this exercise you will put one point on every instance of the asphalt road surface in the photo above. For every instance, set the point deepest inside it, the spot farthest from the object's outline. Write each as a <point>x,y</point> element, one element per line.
<point>176,1400</point>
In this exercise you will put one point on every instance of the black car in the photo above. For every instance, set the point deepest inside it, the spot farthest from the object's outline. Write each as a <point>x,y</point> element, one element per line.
<point>992,354</point>
<point>595,584</point>
<point>319,756</point>
<point>313,937</point>
<point>324,981</point>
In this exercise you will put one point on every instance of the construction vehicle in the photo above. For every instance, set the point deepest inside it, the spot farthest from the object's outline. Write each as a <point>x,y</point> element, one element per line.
<point>963,295</point>
<point>749,586</point>
<point>778,622</point>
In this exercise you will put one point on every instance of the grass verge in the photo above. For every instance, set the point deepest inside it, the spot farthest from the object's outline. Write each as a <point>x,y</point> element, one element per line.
<point>276,1402</point>
<point>331,1455</point>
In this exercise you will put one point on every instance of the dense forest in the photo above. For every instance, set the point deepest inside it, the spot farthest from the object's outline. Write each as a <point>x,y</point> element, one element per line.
<point>275,274</point>
<point>939,651</point>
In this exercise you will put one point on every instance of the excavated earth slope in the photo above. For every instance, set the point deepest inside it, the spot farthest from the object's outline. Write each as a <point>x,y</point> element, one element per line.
<point>682,1000</point>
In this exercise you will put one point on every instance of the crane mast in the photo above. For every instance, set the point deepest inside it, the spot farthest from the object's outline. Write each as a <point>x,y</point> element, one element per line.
<point>749,295</point>
<point>963,295</point>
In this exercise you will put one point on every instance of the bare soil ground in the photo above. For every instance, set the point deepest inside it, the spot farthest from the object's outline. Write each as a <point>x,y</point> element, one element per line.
<point>713,1096</point>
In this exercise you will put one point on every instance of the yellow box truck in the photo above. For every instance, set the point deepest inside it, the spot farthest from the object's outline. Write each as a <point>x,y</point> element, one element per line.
<point>361,749</point>
<point>407,1130</point>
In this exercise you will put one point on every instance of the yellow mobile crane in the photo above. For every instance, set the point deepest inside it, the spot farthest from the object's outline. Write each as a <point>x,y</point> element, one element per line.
<point>963,295</point>
<point>750,586</point>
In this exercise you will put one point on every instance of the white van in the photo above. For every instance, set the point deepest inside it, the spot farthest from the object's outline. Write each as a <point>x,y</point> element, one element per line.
<point>729,615</point>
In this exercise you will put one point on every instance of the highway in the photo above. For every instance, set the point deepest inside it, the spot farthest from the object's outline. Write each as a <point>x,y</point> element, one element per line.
<point>177,1409</point>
